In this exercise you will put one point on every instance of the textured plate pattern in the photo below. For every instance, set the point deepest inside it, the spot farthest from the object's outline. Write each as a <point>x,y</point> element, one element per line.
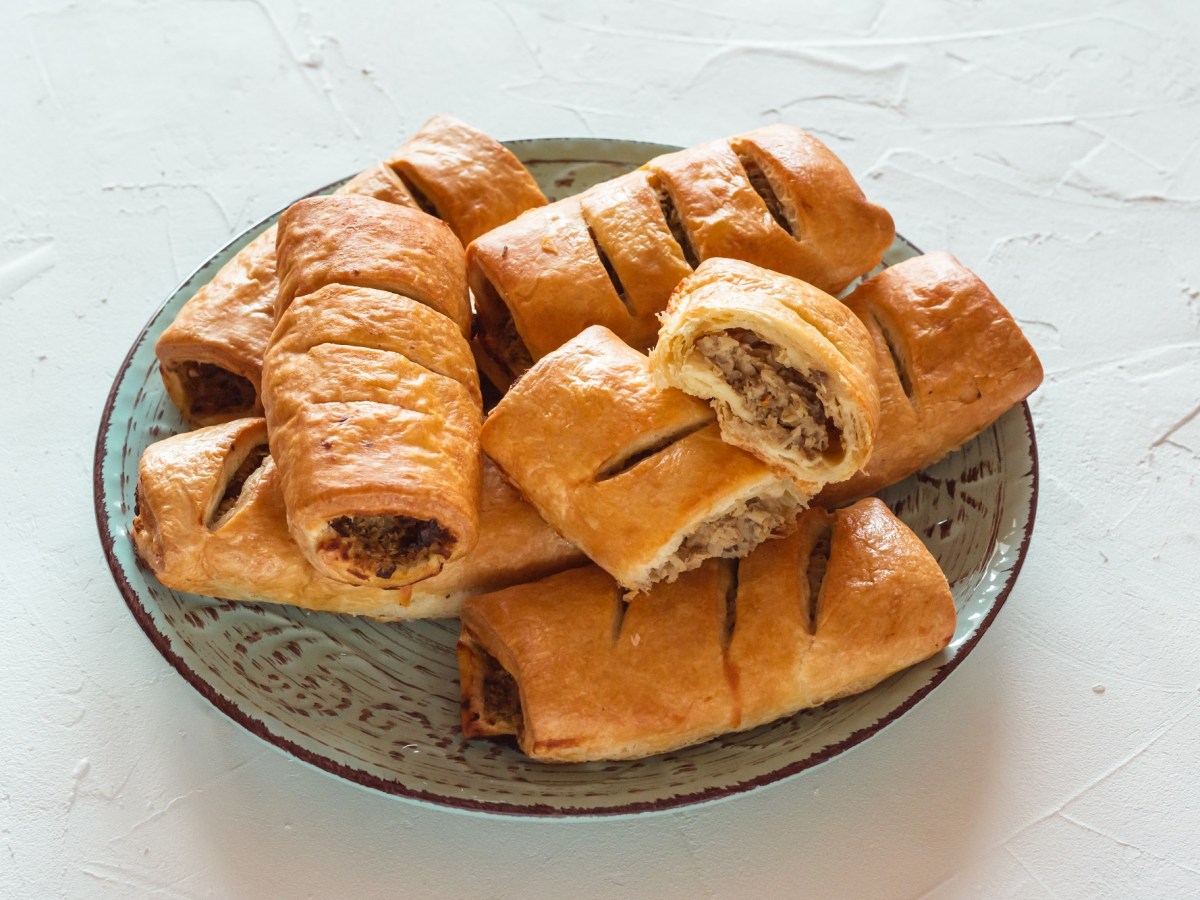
<point>378,703</point>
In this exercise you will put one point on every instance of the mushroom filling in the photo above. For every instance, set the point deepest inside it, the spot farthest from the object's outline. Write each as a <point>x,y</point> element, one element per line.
<point>734,534</point>
<point>782,403</point>
<point>381,544</point>
<point>216,391</point>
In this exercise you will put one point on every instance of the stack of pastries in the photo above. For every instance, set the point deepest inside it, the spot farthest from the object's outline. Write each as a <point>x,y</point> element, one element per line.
<point>658,532</point>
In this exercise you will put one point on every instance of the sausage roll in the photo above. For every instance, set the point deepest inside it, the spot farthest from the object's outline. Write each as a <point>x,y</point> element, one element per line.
<point>372,396</point>
<point>790,371</point>
<point>361,242</point>
<point>637,478</point>
<point>951,361</point>
<point>210,520</point>
<point>464,177</point>
<point>210,356</point>
<point>775,197</point>
<point>577,672</point>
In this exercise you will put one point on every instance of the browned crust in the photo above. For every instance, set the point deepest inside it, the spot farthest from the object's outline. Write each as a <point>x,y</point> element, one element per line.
<point>967,363</point>
<point>548,267</point>
<point>596,682</point>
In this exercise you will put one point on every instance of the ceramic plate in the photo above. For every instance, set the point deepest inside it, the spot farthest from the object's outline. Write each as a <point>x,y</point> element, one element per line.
<point>378,704</point>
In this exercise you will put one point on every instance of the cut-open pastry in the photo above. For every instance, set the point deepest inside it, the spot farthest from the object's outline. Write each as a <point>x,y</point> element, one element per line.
<point>210,520</point>
<point>951,361</point>
<point>211,354</point>
<point>577,672</point>
<point>775,197</point>
<point>372,396</point>
<point>790,371</point>
<point>637,478</point>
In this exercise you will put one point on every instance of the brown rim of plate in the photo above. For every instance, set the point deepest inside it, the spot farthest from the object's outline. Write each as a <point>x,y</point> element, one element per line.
<point>162,642</point>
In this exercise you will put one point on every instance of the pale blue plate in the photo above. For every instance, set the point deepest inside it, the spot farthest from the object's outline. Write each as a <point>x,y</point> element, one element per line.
<point>378,705</point>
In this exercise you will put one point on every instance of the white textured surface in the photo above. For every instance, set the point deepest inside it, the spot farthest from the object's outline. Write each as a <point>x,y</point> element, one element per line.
<point>1054,147</point>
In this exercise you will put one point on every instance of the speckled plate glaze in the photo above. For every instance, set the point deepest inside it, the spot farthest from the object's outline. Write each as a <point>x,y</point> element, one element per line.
<point>377,704</point>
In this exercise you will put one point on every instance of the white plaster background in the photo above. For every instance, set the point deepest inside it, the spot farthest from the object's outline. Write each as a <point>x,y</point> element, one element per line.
<point>1053,146</point>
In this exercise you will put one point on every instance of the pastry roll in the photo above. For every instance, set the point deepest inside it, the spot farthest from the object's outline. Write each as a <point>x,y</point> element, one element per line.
<point>464,177</point>
<point>790,371</point>
<point>951,361</point>
<point>577,672</point>
<point>210,356</point>
<point>775,197</point>
<point>637,478</point>
<point>372,396</point>
<point>210,520</point>
<point>361,242</point>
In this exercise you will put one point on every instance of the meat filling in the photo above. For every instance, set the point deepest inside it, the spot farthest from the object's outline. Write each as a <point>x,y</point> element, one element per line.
<point>501,698</point>
<point>233,488</point>
<point>734,534</point>
<point>381,544</point>
<point>762,187</point>
<point>785,403</point>
<point>215,391</point>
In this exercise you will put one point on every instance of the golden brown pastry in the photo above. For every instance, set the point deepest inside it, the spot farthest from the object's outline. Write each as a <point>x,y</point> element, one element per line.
<point>372,396</point>
<point>210,520</point>
<point>578,673</point>
<point>790,371</point>
<point>464,177</point>
<point>637,478</point>
<point>362,242</point>
<point>775,197</point>
<point>951,361</point>
<point>211,354</point>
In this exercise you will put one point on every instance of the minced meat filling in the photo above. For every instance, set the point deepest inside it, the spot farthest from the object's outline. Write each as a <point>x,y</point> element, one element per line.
<point>762,187</point>
<point>383,543</point>
<point>733,535</point>
<point>501,698</point>
<point>216,391</point>
<point>784,402</point>
<point>233,488</point>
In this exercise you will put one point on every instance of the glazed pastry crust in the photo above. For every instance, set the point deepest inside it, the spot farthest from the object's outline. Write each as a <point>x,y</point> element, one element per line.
<point>361,242</point>
<point>249,554</point>
<point>717,651</point>
<point>564,433</point>
<point>373,408</point>
<point>611,255</point>
<point>964,359</point>
<point>814,333</point>
<point>477,185</point>
<point>471,181</point>
<point>228,322</point>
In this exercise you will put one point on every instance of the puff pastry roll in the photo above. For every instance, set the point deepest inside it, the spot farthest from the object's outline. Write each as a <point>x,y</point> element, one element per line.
<point>637,478</point>
<point>790,371</point>
<point>361,242</point>
<point>210,356</point>
<point>372,396</point>
<point>776,197</point>
<point>951,361</point>
<point>210,520</point>
<point>576,672</point>
<point>464,177</point>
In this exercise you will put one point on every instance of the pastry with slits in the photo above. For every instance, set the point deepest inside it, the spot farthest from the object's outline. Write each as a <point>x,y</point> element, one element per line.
<point>577,672</point>
<point>775,197</point>
<point>210,520</point>
<point>951,361</point>
<point>211,354</point>
<point>637,478</point>
<point>790,371</point>
<point>371,393</point>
